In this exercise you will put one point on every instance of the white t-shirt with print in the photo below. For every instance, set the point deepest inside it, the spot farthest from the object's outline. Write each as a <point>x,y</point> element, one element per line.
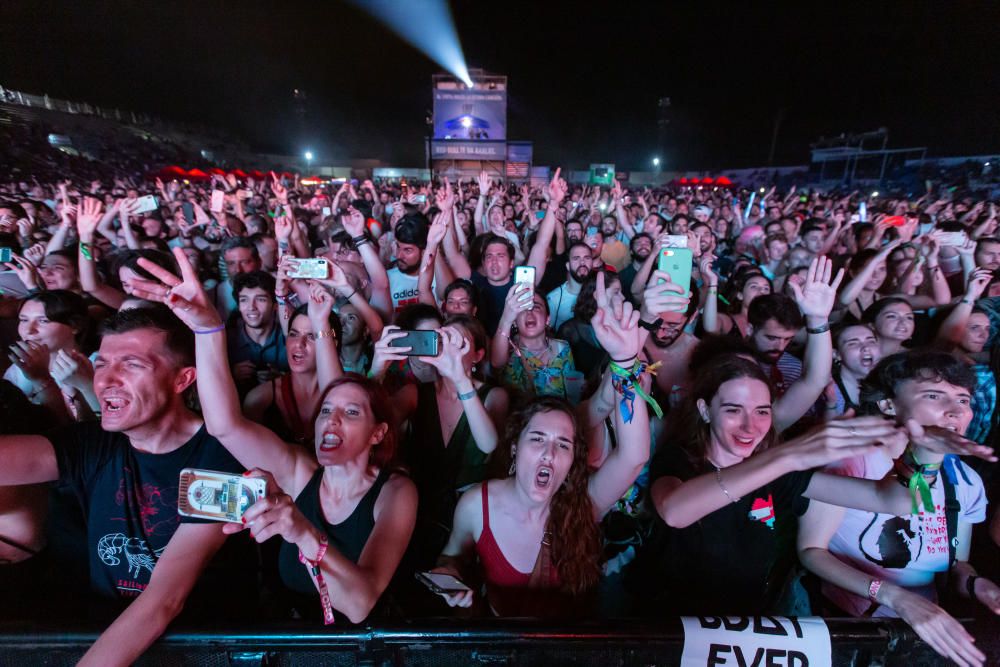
<point>907,551</point>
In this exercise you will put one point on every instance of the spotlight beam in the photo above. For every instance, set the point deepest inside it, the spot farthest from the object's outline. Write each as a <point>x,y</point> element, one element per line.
<point>427,25</point>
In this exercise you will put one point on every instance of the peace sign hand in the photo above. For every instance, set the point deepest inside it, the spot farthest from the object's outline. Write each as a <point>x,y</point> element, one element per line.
<point>186,298</point>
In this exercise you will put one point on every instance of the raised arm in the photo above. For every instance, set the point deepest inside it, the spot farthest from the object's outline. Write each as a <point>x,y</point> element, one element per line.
<point>620,335</point>
<point>252,444</point>
<point>852,290</point>
<point>815,299</point>
<point>484,192</point>
<point>519,298</point>
<point>557,191</point>
<point>354,224</point>
<point>623,221</point>
<point>87,220</point>
<point>953,328</point>
<point>320,306</point>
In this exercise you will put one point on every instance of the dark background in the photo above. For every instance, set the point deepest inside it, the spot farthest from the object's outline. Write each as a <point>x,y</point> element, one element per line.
<point>584,77</point>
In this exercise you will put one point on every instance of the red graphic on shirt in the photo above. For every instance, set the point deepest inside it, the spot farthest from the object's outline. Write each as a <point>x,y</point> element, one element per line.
<point>158,515</point>
<point>763,511</point>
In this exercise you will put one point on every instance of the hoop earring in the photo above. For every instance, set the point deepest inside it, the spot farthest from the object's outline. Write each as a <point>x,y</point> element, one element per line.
<point>513,461</point>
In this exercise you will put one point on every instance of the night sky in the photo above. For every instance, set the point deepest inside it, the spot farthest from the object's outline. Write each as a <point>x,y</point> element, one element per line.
<point>584,77</point>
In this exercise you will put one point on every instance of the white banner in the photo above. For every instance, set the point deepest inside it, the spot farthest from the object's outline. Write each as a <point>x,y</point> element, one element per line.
<point>755,641</point>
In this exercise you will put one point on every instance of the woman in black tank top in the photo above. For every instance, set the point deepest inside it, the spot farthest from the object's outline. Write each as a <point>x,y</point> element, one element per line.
<point>351,518</point>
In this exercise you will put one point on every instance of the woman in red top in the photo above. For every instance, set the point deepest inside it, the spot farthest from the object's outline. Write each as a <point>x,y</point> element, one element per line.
<point>536,532</point>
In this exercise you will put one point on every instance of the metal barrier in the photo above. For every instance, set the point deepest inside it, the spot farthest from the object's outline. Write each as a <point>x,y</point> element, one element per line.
<point>434,643</point>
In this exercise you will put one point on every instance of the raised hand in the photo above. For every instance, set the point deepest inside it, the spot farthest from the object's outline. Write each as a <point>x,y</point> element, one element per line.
<point>320,306</point>
<point>35,254</point>
<point>72,369</point>
<point>185,297</point>
<point>384,353</point>
<point>616,328</point>
<point>557,188</point>
<point>279,190</point>
<point>437,230</point>
<point>32,359</point>
<point>445,197</point>
<point>87,218</point>
<point>449,362</point>
<point>662,296</point>
<point>978,280</point>
<point>520,298</point>
<point>283,226</point>
<point>354,222</point>
<point>484,184</point>
<point>817,295</point>
<point>25,271</point>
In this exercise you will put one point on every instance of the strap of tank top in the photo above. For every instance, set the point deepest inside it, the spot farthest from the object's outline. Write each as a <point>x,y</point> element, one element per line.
<point>486,507</point>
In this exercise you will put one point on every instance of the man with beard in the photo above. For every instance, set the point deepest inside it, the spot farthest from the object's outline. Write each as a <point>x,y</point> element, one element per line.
<point>255,341</point>
<point>639,247</point>
<point>408,247</point>
<point>144,557</point>
<point>665,312</point>
<point>775,320</point>
<point>562,299</point>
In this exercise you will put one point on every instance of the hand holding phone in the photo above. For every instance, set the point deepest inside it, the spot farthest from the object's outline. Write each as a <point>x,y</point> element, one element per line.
<point>677,263</point>
<point>145,204</point>
<point>422,343</point>
<point>217,496</point>
<point>316,269</point>
<point>450,587</point>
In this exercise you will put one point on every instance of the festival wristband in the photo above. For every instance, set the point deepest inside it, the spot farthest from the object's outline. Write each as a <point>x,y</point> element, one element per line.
<point>316,573</point>
<point>85,252</point>
<point>823,328</point>
<point>627,383</point>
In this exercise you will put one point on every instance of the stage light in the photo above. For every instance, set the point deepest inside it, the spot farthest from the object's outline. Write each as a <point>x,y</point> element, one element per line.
<point>656,162</point>
<point>987,164</point>
<point>762,190</point>
<point>466,122</point>
<point>309,156</point>
<point>875,194</point>
<point>428,26</point>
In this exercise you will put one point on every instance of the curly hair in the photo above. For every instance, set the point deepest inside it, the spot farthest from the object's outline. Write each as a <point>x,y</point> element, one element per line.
<point>574,532</point>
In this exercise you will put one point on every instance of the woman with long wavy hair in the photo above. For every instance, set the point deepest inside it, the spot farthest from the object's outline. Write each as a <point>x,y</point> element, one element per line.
<point>536,532</point>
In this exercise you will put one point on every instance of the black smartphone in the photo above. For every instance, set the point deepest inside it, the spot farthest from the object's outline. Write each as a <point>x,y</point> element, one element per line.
<point>421,343</point>
<point>442,584</point>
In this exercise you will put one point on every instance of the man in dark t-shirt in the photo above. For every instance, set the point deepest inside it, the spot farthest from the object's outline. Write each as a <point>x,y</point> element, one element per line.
<point>125,473</point>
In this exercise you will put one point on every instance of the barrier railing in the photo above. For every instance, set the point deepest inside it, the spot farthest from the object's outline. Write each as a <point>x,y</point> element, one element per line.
<point>854,642</point>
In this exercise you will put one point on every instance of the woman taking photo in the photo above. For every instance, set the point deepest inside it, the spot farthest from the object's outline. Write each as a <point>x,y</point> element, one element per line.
<point>535,532</point>
<point>452,426</point>
<point>527,360</point>
<point>345,517</point>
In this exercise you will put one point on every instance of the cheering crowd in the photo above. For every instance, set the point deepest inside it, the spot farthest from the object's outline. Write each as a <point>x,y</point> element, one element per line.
<point>503,389</point>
